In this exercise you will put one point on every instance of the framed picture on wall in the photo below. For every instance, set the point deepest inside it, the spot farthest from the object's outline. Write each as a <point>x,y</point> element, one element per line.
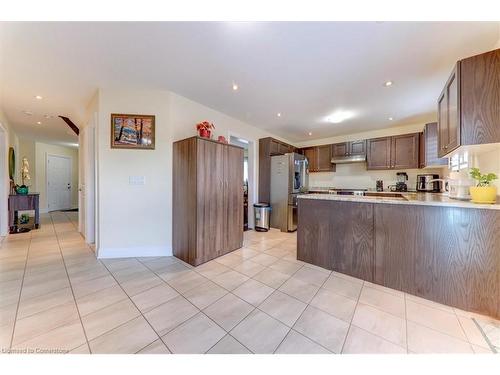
<point>133,131</point>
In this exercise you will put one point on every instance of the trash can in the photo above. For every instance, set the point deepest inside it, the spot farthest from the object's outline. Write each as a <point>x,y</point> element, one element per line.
<point>262,214</point>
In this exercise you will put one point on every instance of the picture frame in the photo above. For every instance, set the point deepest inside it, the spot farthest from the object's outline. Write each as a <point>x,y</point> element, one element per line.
<point>132,131</point>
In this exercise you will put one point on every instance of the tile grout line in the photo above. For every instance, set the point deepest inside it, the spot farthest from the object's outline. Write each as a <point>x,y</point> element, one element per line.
<point>199,310</point>
<point>352,317</point>
<point>70,285</point>
<point>20,293</point>
<point>140,312</point>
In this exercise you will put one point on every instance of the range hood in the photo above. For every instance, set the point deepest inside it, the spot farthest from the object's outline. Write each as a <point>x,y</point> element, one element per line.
<point>349,159</point>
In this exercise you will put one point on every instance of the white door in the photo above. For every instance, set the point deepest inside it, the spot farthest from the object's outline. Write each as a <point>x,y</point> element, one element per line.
<point>58,182</point>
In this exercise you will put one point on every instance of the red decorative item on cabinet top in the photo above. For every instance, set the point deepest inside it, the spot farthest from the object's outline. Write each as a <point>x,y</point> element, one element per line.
<point>205,129</point>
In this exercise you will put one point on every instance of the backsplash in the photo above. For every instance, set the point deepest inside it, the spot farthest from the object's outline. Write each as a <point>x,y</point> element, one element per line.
<point>355,176</point>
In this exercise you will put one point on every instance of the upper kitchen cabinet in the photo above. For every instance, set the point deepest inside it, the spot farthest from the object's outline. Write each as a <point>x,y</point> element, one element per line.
<point>269,147</point>
<point>429,147</point>
<point>378,154</point>
<point>468,107</point>
<point>319,158</point>
<point>352,148</point>
<point>396,152</point>
<point>404,151</point>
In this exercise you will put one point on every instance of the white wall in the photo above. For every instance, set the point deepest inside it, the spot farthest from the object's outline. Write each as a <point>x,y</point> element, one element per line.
<point>355,176</point>
<point>137,220</point>
<point>8,138</point>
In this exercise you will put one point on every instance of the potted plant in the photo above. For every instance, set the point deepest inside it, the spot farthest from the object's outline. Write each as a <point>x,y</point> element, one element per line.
<point>25,177</point>
<point>205,129</point>
<point>483,192</point>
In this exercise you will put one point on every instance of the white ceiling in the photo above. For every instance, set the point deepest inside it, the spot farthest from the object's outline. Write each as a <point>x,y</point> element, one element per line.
<point>305,71</point>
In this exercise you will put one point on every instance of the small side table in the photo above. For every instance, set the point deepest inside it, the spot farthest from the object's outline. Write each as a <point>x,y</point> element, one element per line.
<point>17,202</point>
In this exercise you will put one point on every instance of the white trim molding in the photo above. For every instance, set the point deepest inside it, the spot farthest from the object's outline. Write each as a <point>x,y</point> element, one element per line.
<point>133,252</point>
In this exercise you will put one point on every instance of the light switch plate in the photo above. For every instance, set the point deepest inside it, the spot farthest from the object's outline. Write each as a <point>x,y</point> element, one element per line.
<point>136,180</point>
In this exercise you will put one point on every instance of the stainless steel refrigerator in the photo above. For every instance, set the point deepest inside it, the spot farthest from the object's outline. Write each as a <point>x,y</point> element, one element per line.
<point>289,177</point>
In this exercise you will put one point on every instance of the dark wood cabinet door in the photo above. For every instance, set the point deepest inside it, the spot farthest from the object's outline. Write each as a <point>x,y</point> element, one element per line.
<point>395,235</point>
<point>429,144</point>
<point>283,148</point>
<point>404,151</point>
<point>233,199</point>
<point>324,159</point>
<point>210,200</point>
<point>340,149</point>
<point>453,93</point>
<point>480,98</point>
<point>357,147</point>
<point>421,150</point>
<point>310,154</point>
<point>352,239</point>
<point>449,114</point>
<point>442,124</point>
<point>379,153</point>
<point>274,147</point>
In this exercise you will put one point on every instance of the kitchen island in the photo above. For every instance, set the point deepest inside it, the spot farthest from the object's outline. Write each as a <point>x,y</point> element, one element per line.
<point>427,245</point>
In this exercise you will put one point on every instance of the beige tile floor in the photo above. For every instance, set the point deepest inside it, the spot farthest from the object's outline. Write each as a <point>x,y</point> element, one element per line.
<point>57,297</point>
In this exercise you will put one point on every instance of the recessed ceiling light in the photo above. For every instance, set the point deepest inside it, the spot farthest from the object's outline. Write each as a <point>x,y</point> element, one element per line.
<point>39,123</point>
<point>278,114</point>
<point>388,83</point>
<point>310,133</point>
<point>38,97</point>
<point>48,116</point>
<point>339,116</point>
<point>28,113</point>
<point>235,87</point>
<point>390,119</point>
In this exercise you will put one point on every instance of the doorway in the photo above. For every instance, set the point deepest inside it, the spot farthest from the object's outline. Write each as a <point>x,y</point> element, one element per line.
<point>58,182</point>
<point>248,179</point>
<point>4,181</point>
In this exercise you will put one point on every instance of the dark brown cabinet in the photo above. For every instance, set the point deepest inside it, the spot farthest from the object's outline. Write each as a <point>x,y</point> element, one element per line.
<point>319,158</point>
<point>269,147</point>
<point>337,236</point>
<point>396,152</point>
<point>310,154</point>
<point>448,109</point>
<point>352,148</point>
<point>446,254</point>
<point>429,147</point>
<point>207,199</point>
<point>378,155</point>
<point>468,109</point>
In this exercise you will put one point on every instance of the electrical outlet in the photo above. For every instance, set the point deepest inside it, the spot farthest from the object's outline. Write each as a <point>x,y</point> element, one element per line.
<point>136,180</point>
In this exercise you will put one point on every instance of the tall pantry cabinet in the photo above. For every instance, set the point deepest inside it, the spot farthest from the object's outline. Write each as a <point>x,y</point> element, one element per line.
<point>207,199</point>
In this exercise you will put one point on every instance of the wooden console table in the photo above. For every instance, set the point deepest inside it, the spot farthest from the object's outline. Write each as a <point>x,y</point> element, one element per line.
<point>27,202</point>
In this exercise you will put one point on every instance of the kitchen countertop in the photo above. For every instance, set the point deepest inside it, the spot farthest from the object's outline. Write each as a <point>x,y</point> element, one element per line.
<point>408,198</point>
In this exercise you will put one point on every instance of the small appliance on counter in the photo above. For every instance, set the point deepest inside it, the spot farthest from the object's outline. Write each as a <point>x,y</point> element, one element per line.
<point>379,185</point>
<point>402,177</point>
<point>428,183</point>
<point>458,188</point>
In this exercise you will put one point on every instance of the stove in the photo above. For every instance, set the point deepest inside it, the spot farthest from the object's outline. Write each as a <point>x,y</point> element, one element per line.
<point>348,191</point>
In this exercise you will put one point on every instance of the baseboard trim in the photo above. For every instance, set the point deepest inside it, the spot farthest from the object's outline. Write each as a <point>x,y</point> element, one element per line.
<point>133,252</point>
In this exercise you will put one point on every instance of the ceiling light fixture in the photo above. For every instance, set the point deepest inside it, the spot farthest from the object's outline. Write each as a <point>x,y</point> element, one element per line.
<point>38,97</point>
<point>278,114</point>
<point>339,116</point>
<point>48,116</point>
<point>310,133</point>
<point>39,123</point>
<point>390,119</point>
<point>28,113</point>
<point>235,87</point>
<point>388,83</point>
